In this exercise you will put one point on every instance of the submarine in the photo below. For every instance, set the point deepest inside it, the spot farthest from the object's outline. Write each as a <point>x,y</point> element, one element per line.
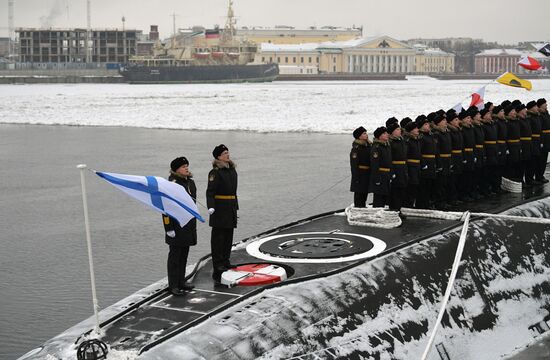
<point>325,287</point>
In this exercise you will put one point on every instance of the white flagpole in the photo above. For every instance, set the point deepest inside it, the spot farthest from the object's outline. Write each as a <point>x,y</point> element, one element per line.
<point>83,167</point>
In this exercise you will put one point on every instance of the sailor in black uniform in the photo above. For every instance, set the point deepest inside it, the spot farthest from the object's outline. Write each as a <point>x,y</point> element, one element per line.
<point>221,199</point>
<point>490,181</point>
<point>468,164</point>
<point>513,171</point>
<point>381,172</point>
<point>413,162</point>
<point>178,238</point>
<point>457,143</point>
<point>534,119</point>
<point>359,159</point>
<point>443,159</point>
<point>479,154</point>
<point>525,141</point>
<point>545,140</point>
<point>502,146</point>
<point>400,177</point>
<point>428,150</point>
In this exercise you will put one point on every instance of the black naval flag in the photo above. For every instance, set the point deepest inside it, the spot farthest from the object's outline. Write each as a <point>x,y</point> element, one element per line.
<point>545,49</point>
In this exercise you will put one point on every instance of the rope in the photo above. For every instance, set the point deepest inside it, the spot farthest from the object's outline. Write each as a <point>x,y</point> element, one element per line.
<point>453,215</point>
<point>450,284</point>
<point>373,217</point>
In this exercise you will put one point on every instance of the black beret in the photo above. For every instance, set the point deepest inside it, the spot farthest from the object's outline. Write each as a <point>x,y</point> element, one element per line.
<point>541,101</point>
<point>218,150</point>
<point>405,121</point>
<point>391,121</point>
<point>411,126</point>
<point>358,132</point>
<point>505,104</point>
<point>497,109</point>
<point>509,108</point>
<point>531,104</point>
<point>178,162</point>
<point>392,126</point>
<point>519,107</point>
<point>380,131</point>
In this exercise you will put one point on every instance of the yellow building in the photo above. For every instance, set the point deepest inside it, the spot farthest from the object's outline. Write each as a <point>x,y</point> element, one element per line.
<point>290,35</point>
<point>373,55</point>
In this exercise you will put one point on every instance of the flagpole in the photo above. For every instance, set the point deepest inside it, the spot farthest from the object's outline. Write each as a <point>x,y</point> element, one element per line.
<point>83,167</point>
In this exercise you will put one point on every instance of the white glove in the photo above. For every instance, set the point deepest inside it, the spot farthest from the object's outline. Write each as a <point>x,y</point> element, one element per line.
<point>507,152</point>
<point>424,167</point>
<point>171,233</point>
<point>211,211</point>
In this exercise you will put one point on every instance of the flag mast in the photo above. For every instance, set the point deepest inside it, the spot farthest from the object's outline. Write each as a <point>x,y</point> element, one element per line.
<point>83,167</point>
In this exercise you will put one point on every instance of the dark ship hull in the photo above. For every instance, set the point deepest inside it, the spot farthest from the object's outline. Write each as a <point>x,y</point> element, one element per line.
<point>137,74</point>
<point>380,307</point>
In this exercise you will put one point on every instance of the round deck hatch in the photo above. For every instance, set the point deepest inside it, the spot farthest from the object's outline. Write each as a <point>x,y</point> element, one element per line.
<point>316,247</point>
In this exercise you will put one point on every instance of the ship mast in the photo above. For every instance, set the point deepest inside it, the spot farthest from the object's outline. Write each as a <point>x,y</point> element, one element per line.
<point>229,30</point>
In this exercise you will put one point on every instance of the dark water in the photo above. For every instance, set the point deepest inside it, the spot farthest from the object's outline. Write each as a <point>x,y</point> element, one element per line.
<point>44,283</point>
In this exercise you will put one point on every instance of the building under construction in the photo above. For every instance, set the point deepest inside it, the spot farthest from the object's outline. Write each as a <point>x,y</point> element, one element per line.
<point>70,45</point>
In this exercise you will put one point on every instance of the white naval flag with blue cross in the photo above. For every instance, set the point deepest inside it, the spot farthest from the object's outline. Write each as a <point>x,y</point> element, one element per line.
<point>160,194</point>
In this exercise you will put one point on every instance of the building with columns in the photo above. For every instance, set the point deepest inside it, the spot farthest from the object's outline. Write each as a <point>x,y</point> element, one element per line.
<point>499,61</point>
<point>372,55</point>
<point>290,35</point>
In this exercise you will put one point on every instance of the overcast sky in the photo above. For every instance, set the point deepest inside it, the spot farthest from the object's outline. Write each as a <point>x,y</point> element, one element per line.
<point>506,21</point>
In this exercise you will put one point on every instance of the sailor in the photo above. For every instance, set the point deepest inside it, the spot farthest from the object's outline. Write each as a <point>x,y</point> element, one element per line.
<point>413,162</point>
<point>513,171</point>
<point>221,199</point>
<point>502,147</point>
<point>534,119</point>
<point>525,140</point>
<point>359,159</point>
<point>381,172</point>
<point>457,143</point>
<point>428,151</point>
<point>178,238</point>
<point>468,165</point>
<point>443,159</point>
<point>490,181</point>
<point>403,123</point>
<point>400,177</point>
<point>545,140</point>
<point>479,189</point>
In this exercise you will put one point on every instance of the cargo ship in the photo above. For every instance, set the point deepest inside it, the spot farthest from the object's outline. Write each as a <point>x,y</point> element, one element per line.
<point>326,288</point>
<point>201,56</point>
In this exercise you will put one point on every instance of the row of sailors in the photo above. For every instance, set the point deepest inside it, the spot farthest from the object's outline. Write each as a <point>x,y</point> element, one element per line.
<point>447,158</point>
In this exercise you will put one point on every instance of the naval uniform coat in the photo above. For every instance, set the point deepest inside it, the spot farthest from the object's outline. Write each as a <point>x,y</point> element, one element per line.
<point>457,143</point>
<point>469,138</point>
<point>502,137</point>
<point>545,124</point>
<point>525,138</point>
<point>381,168</point>
<point>186,235</point>
<point>413,158</point>
<point>444,142</point>
<point>491,147</point>
<point>359,159</point>
<point>513,141</point>
<point>479,150</point>
<point>221,195</point>
<point>428,149</point>
<point>536,132</point>
<point>399,162</point>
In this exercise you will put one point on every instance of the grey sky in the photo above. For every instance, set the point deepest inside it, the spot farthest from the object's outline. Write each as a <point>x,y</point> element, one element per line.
<point>506,21</point>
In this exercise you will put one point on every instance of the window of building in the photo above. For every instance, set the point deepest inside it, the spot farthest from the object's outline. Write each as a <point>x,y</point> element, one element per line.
<point>286,59</point>
<point>317,59</point>
<point>309,59</point>
<point>294,59</point>
<point>334,59</point>
<point>263,59</point>
<point>278,60</point>
<point>270,59</point>
<point>302,60</point>
<point>334,68</point>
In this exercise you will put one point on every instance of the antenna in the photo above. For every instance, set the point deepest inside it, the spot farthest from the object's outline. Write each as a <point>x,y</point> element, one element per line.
<point>11,29</point>
<point>88,31</point>
<point>123,21</point>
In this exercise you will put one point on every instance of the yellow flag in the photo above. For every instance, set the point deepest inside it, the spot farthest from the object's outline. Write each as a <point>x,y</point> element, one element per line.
<point>512,80</point>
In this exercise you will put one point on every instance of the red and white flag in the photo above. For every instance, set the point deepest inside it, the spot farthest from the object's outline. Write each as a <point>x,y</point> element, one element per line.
<point>477,98</point>
<point>529,63</point>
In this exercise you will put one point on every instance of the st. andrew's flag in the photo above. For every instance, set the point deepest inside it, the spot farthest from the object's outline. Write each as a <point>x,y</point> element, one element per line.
<point>160,194</point>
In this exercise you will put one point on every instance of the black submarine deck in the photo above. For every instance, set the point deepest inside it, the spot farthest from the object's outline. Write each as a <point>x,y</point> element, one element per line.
<point>161,316</point>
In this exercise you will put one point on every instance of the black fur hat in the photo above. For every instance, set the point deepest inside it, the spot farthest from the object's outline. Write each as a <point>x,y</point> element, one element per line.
<point>358,132</point>
<point>541,101</point>
<point>391,121</point>
<point>405,121</point>
<point>218,150</point>
<point>178,162</point>
<point>380,131</point>
<point>531,104</point>
<point>411,126</point>
<point>392,126</point>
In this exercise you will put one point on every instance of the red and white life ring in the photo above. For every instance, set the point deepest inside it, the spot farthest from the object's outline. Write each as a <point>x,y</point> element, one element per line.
<point>253,275</point>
